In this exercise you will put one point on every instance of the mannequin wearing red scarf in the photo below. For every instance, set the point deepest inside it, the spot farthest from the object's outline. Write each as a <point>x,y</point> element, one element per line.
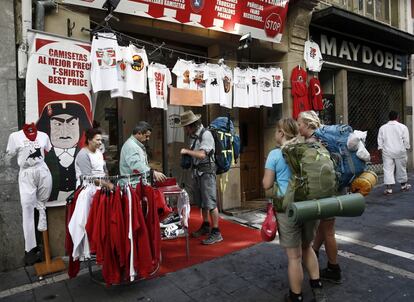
<point>30,131</point>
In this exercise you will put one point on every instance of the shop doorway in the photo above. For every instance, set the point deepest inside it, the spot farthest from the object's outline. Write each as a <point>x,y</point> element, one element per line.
<point>250,133</point>
<point>370,99</point>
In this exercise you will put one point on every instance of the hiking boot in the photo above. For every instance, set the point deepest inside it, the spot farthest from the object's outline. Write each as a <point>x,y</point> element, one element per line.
<point>213,238</point>
<point>405,187</point>
<point>289,299</point>
<point>331,275</point>
<point>203,230</point>
<point>319,295</point>
<point>42,224</point>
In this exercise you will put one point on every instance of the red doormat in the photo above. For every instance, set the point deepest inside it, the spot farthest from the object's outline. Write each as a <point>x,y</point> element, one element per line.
<point>236,237</point>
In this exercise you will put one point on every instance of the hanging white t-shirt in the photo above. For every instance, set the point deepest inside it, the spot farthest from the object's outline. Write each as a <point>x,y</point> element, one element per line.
<point>104,55</point>
<point>198,78</point>
<point>182,71</point>
<point>137,69</point>
<point>159,77</point>
<point>29,153</point>
<point>122,66</point>
<point>277,86</point>
<point>241,96</point>
<point>252,86</point>
<point>226,90</point>
<point>264,88</point>
<point>213,83</point>
<point>313,56</point>
<point>175,134</point>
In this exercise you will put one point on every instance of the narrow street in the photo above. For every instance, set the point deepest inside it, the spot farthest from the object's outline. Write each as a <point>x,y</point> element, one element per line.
<point>376,254</point>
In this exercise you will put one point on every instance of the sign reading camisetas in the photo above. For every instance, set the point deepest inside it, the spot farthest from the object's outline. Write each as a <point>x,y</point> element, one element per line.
<point>264,19</point>
<point>58,100</point>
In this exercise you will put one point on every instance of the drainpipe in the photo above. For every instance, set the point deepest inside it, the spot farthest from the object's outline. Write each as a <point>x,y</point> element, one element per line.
<point>41,6</point>
<point>26,10</point>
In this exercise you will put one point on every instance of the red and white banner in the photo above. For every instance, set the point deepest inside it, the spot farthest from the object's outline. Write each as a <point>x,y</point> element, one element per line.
<point>58,100</point>
<point>264,19</point>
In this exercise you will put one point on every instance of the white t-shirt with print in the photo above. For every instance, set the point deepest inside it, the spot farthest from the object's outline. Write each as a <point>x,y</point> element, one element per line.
<point>137,69</point>
<point>313,57</point>
<point>198,78</point>
<point>264,88</point>
<point>175,134</point>
<point>159,77</point>
<point>213,83</point>
<point>122,66</point>
<point>29,153</point>
<point>277,86</point>
<point>182,71</point>
<point>104,55</point>
<point>241,78</point>
<point>252,86</point>
<point>226,89</point>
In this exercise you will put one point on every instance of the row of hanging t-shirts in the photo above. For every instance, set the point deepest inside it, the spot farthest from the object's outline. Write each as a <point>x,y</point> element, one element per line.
<point>124,70</point>
<point>120,227</point>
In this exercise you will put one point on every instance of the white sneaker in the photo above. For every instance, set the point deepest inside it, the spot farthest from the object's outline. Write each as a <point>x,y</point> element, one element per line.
<point>406,187</point>
<point>42,224</point>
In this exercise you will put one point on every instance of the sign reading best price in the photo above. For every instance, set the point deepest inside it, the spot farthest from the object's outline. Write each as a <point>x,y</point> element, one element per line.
<point>264,19</point>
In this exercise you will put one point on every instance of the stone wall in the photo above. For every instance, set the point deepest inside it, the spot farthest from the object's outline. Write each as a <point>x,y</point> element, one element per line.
<point>11,232</point>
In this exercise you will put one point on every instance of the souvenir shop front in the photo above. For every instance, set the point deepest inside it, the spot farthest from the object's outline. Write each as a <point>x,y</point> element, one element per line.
<point>205,67</point>
<point>170,54</point>
<point>365,73</point>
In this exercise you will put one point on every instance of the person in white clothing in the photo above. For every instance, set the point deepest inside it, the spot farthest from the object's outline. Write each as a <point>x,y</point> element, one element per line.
<point>393,143</point>
<point>90,161</point>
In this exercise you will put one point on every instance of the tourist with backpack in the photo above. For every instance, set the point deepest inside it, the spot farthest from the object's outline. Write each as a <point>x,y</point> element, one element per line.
<point>308,123</point>
<point>393,143</point>
<point>296,239</point>
<point>203,169</point>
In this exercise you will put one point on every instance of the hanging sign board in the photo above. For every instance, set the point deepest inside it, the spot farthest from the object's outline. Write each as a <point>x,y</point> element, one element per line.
<point>58,99</point>
<point>264,19</point>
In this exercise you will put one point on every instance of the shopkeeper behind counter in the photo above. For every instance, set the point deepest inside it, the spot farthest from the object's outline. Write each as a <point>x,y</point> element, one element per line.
<point>134,157</point>
<point>90,161</point>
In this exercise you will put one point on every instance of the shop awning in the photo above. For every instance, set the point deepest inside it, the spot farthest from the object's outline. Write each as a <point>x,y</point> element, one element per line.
<point>346,22</point>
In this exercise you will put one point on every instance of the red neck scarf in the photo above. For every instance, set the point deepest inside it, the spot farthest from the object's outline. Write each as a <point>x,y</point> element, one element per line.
<point>30,131</point>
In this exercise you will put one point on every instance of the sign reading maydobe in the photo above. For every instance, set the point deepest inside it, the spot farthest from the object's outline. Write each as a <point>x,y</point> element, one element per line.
<point>264,19</point>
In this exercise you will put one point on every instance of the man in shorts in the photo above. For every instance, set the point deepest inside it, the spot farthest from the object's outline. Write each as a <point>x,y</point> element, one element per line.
<point>203,174</point>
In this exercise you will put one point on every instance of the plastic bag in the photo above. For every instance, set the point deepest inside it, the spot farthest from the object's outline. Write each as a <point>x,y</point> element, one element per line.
<point>269,226</point>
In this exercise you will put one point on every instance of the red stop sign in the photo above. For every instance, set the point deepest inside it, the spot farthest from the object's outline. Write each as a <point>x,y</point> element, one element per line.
<point>273,25</point>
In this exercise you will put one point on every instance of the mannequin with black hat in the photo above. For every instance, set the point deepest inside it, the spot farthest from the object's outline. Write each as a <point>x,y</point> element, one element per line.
<point>203,175</point>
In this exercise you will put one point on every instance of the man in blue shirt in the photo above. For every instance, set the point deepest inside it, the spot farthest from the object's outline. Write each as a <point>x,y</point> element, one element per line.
<point>133,157</point>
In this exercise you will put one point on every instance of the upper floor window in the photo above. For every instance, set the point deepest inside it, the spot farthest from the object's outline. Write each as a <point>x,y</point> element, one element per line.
<point>385,11</point>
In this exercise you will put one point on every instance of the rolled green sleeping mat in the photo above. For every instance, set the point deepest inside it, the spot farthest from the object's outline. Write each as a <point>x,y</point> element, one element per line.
<point>349,205</point>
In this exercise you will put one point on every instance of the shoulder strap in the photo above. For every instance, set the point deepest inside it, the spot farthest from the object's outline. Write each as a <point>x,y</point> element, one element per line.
<point>199,138</point>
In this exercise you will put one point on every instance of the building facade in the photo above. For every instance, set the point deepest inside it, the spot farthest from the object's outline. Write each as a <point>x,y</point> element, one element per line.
<point>341,79</point>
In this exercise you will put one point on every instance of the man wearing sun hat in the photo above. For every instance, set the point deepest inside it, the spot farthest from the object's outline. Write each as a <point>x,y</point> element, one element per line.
<point>203,174</point>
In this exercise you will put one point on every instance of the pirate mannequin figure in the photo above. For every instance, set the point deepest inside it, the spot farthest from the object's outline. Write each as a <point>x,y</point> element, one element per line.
<point>65,123</point>
<point>35,182</point>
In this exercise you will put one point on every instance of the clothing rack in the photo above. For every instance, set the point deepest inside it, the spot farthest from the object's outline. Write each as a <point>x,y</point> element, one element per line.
<point>96,278</point>
<point>116,178</point>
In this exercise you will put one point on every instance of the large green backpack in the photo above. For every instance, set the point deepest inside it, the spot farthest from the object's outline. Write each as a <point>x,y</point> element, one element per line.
<point>313,172</point>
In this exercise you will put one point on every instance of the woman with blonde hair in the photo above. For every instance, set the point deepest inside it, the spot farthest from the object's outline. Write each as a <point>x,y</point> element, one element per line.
<point>308,122</point>
<point>296,239</point>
